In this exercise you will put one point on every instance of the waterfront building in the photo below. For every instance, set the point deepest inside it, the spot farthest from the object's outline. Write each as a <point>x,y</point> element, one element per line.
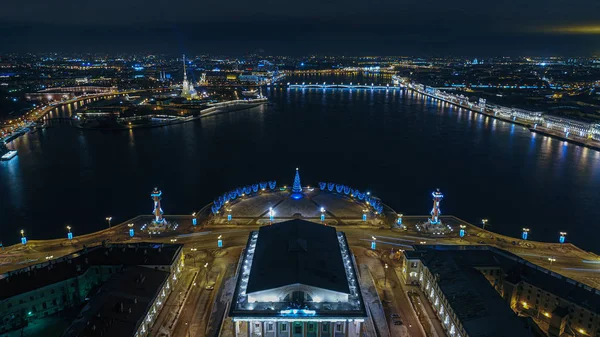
<point>515,113</point>
<point>145,271</point>
<point>473,289</point>
<point>568,126</point>
<point>297,279</point>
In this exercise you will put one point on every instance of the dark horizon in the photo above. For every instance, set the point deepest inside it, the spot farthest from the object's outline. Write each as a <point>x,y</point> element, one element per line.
<point>425,28</point>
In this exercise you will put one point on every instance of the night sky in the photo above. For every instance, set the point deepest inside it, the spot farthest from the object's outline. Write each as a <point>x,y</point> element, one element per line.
<point>356,27</point>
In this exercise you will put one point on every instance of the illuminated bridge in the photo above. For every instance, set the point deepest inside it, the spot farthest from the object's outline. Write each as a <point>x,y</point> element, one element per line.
<point>351,86</point>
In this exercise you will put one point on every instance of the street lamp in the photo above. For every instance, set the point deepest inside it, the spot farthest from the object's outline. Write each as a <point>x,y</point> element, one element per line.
<point>374,243</point>
<point>385,273</point>
<point>194,256</point>
<point>108,218</point>
<point>206,272</point>
<point>271,213</point>
<point>551,259</point>
<point>562,237</point>
<point>131,231</point>
<point>23,237</point>
<point>322,214</point>
<point>220,241</point>
<point>462,231</point>
<point>483,223</point>
<point>69,234</point>
<point>399,220</point>
<point>525,233</point>
<point>364,218</point>
<point>194,220</point>
<point>229,214</point>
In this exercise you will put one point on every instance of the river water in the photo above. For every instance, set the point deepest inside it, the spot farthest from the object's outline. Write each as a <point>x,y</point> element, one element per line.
<point>398,145</point>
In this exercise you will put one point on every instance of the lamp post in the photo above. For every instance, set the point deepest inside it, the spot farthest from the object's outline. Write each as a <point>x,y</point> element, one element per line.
<point>69,234</point>
<point>220,241</point>
<point>271,213</point>
<point>483,223</point>
<point>399,220</point>
<point>385,272</point>
<point>206,273</point>
<point>462,231</point>
<point>322,214</point>
<point>551,259</point>
<point>525,233</point>
<point>131,231</point>
<point>364,218</point>
<point>23,237</point>
<point>229,214</point>
<point>194,255</point>
<point>108,218</point>
<point>373,243</point>
<point>562,237</point>
<point>194,219</point>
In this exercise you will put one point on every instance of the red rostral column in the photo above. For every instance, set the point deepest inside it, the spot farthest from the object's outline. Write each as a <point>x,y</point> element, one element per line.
<point>435,211</point>
<point>158,212</point>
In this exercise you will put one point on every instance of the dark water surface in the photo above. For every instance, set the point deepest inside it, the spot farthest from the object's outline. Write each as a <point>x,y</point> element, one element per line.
<point>398,145</point>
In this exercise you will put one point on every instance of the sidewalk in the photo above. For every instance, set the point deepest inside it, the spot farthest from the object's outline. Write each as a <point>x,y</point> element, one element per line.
<point>170,310</point>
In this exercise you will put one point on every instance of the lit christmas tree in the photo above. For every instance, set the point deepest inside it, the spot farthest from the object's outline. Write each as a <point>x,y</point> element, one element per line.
<point>297,188</point>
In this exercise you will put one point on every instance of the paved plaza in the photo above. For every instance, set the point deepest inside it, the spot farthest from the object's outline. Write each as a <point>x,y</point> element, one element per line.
<point>339,209</point>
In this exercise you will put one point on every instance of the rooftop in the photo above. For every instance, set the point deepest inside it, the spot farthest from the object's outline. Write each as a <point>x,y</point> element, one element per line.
<point>297,252</point>
<point>120,305</point>
<point>477,305</point>
<point>471,295</point>
<point>295,257</point>
<point>43,274</point>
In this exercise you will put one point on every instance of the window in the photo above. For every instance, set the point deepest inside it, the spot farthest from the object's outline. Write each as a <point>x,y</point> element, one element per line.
<point>311,327</point>
<point>283,326</point>
<point>269,326</point>
<point>325,327</point>
<point>338,327</point>
<point>298,328</point>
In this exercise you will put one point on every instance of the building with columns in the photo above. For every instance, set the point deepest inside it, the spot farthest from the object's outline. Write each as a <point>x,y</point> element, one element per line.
<point>478,289</point>
<point>297,279</point>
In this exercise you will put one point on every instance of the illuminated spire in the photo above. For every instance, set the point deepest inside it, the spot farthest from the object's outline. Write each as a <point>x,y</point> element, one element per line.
<point>184,72</point>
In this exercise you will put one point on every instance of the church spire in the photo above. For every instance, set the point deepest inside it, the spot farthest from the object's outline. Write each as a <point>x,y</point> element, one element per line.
<point>184,72</point>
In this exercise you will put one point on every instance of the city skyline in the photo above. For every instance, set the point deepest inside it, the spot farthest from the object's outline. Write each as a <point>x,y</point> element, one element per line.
<point>322,168</point>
